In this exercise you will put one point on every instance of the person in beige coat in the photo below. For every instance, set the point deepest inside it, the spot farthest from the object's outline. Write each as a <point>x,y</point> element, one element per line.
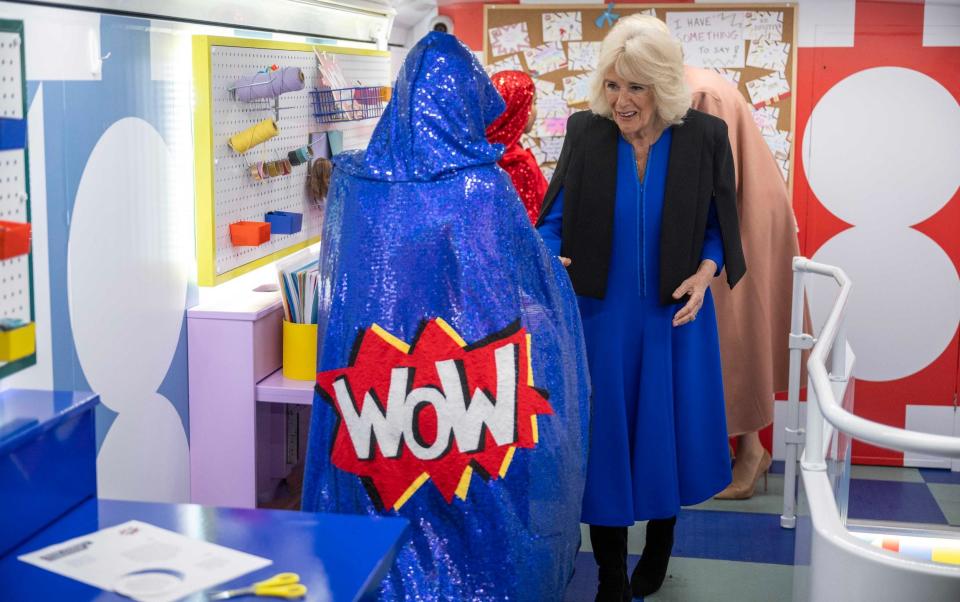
<point>753,318</point>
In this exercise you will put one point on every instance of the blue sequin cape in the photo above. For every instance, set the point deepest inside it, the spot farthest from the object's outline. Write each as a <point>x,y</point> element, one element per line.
<point>424,224</point>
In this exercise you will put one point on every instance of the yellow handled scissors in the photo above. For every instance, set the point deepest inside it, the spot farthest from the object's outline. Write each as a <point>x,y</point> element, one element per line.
<point>281,585</point>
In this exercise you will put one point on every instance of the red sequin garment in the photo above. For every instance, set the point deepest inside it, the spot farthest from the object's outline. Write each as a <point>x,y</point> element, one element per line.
<point>518,91</point>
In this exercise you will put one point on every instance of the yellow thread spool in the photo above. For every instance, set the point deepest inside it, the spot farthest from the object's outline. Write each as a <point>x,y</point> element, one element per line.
<point>252,136</point>
<point>299,351</point>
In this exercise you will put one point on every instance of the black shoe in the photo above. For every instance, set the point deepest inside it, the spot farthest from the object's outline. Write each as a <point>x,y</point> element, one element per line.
<point>650,572</point>
<point>610,551</point>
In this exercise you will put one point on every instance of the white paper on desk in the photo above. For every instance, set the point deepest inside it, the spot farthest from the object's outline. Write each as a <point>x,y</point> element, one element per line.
<point>509,39</point>
<point>545,58</point>
<point>559,27</point>
<point>768,54</point>
<point>763,25</point>
<point>709,38</point>
<point>103,559</point>
<point>767,88</point>
<point>583,56</point>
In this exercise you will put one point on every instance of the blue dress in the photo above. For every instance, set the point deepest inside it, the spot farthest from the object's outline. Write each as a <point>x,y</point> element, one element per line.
<point>658,431</point>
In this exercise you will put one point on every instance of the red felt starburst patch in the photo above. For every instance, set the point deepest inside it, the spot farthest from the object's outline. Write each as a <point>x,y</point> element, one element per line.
<point>437,409</point>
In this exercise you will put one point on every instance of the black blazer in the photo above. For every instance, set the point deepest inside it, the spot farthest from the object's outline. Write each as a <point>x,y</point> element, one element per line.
<point>700,171</point>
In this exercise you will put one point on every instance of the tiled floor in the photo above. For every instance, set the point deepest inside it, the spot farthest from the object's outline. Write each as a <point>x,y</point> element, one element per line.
<point>736,550</point>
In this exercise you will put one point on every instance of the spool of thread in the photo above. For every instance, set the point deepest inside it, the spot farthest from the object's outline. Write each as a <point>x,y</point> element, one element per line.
<point>300,155</point>
<point>252,136</point>
<point>269,84</point>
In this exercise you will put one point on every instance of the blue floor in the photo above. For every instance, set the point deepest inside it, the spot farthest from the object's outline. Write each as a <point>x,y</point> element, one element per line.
<point>736,550</point>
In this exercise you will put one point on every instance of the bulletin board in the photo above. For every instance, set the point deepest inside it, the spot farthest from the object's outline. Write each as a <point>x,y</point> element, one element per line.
<point>16,273</point>
<point>226,191</point>
<point>752,45</point>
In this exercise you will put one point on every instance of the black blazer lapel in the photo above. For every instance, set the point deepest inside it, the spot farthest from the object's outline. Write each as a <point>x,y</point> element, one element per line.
<point>680,199</point>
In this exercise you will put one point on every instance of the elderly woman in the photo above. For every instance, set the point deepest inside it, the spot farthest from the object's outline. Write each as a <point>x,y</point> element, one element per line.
<point>642,209</point>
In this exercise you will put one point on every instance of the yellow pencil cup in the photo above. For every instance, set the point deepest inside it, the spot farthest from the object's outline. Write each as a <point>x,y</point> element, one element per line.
<point>18,343</point>
<point>299,351</point>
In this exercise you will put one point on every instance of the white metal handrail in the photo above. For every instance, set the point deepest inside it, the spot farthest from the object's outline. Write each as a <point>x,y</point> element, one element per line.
<point>826,403</point>
<point>829,366</point>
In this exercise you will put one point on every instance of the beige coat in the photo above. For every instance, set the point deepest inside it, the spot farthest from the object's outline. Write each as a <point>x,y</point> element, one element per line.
<point>754,317</point>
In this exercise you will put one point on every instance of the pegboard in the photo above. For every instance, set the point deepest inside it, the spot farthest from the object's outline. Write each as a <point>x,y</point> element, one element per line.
<point>11,86</point>
<point>16,281</point>
<point>226,193</point>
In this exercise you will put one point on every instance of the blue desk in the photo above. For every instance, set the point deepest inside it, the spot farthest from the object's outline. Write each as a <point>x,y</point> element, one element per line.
<point>48,460</point>
<point>343,554</point>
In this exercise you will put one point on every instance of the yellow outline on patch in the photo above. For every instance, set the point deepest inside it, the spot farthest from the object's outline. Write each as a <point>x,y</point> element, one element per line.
<point>506,461</point>
<point>423,478</point>
<point>390,339</point>
<point>529,360</point>
<point>450,332</point>
<point>464,483</point>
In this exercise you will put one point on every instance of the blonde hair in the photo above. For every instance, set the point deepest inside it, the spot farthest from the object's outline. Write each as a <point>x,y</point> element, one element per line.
<point>640,49</point>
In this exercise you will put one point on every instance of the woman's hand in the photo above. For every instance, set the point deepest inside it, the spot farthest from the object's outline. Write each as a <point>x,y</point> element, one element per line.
<point>695,286</point>
<point>564,261</point>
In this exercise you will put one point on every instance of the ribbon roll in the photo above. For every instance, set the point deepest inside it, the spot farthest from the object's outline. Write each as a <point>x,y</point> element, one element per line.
<point>253,136</point>
<point>300,156</point>
<point>269,84</point>
<point>272,169</point>
<point>255,172</point>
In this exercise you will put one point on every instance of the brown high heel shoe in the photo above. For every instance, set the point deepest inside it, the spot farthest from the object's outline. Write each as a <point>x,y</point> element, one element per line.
<point>744,491</point>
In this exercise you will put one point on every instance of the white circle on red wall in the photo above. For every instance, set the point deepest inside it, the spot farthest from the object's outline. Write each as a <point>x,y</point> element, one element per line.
<point>883,147</point>
<point>904,307</point>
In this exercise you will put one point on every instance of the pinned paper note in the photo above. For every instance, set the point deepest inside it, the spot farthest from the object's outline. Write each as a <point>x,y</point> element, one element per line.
<point>511,63</point>
<point>564,27</point>
<point>551,148</point>
<point>545,58</point>
<point>509,39</point>
<point>784,165</point>
<point>552,104</point>
<point>534,149</point>
<point>549,127</point>
<point>731,75</point>
<point>767,117</point>
<point>543,86</point>
<point>710,39</point>
<point>778,141</point>
<point>763,25</point>
<point>583,56</point>
<point>768,88</point>
<point>576,88</point>
<point>767,54</point>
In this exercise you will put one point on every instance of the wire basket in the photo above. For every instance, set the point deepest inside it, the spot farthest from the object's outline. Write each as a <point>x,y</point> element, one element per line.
<point>331,105</point>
